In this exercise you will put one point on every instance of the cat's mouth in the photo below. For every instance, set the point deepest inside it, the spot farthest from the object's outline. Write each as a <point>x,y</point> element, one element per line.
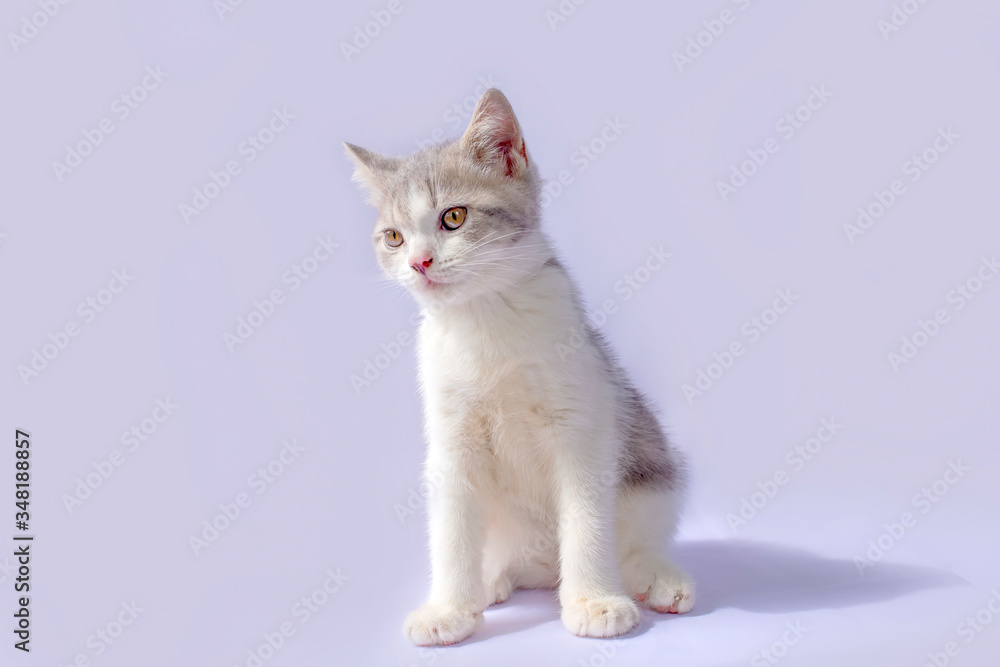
<point>428,283</point>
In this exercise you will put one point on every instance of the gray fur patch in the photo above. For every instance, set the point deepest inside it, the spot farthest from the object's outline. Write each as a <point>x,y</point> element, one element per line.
<point>647,459</point>
<point>433,193</point>
<point>505,215</point>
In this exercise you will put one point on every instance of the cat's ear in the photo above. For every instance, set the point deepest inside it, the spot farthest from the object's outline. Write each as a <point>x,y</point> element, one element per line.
<point>494,136</point>
<point>370,169</point>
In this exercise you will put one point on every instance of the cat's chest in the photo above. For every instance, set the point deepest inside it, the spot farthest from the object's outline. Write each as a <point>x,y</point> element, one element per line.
<point>488,368</point>
<point>507,396</point>
<point>503,372</point>
<point>493,354</point>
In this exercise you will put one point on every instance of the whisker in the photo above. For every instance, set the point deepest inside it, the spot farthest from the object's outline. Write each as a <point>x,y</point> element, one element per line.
<point>493,251</point>
<point>485,241</point>
<point>490,262</point>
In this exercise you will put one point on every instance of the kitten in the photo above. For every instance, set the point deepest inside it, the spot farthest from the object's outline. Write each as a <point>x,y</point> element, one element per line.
<point>549,467</point>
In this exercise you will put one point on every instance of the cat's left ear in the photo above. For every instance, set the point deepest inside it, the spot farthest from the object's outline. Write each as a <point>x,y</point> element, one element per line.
<point>370,169</point>
<point>494,136</point>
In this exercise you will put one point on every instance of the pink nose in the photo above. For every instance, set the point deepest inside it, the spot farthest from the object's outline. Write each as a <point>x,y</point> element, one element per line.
<point>421,264</point>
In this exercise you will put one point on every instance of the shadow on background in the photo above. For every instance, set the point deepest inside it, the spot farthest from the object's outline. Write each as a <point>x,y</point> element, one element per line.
<point>770,578</point>
<point>754,576</point>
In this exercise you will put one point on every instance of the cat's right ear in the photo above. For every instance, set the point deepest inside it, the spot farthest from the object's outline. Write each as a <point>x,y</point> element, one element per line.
<point>494,136</point>
<point>370,169</point>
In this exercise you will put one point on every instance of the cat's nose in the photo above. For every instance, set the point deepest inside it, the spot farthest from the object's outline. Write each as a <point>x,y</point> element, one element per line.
<point>421,264</point>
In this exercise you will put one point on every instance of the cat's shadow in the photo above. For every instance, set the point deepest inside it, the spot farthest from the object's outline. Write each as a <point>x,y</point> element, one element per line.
<point>754,576</point>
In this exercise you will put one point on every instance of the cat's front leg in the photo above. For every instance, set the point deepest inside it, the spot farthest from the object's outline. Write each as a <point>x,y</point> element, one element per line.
<point>593,600</point>
<point>456,525</point>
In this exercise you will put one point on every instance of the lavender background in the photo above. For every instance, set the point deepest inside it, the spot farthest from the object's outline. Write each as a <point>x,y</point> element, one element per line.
<point>350,501</point>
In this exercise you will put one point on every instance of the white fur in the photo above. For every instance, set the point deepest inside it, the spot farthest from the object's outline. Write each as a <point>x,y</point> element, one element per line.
<point>524,442</point>
<point>550,469</point>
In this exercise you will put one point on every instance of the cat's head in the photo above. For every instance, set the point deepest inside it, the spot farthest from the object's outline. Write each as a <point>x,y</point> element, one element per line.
<point>460,219</point>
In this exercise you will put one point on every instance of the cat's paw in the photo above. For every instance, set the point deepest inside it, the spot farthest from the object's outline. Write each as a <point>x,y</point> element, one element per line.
<point>605,616</point>
<point>440,625</point>
<point>662,587</point>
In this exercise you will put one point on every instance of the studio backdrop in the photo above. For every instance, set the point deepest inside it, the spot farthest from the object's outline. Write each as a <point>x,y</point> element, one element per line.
<point>782,216</point>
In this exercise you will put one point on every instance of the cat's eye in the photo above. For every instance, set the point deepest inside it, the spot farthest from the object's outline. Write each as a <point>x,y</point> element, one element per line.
<point>453,218</point>
<point>393,239</point>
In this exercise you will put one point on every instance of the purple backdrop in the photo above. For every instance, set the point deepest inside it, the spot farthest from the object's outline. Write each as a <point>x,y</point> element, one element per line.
<point>782,214</point>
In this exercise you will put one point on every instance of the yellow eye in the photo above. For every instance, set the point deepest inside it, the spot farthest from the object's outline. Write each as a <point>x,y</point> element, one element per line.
<point>393,239</point>
<point>453,218</point>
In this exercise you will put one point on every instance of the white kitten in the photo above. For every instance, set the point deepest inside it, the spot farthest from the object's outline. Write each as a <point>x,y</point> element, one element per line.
<point>552,469</point>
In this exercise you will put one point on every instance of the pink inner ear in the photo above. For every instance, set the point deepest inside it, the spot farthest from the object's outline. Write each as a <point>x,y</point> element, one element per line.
<point>508,159</point>
<point>494,135</point>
